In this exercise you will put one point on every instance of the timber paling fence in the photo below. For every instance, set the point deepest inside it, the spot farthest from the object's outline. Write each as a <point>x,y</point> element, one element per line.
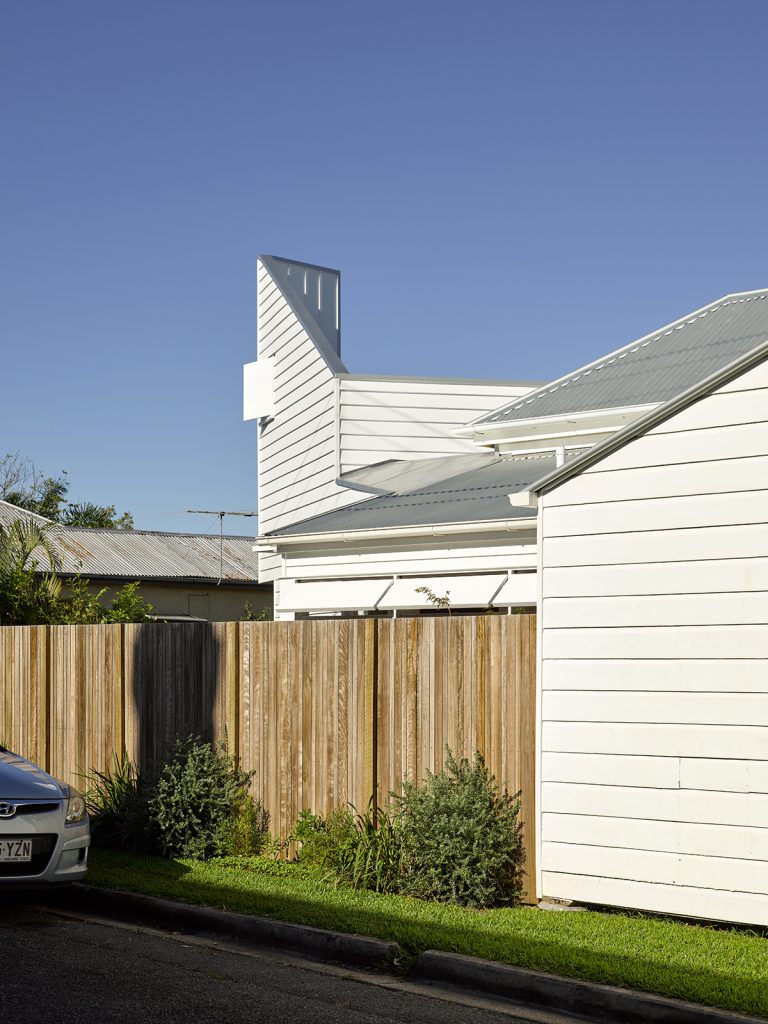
<point>327,712</point>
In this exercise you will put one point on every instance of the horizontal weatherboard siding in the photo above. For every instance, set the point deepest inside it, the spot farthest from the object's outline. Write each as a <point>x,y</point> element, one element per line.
<point>654,687</point>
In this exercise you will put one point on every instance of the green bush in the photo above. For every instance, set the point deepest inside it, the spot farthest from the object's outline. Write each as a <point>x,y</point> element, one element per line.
<point>198,791</point>
<point>461,836</point>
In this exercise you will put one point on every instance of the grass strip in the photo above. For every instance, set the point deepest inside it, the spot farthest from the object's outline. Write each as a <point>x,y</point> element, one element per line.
<point>727,968</point>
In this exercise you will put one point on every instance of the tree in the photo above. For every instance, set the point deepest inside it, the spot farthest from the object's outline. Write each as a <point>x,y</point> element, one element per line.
<point>28,596</point>
<point>102,517</point>
<point>23,485</point>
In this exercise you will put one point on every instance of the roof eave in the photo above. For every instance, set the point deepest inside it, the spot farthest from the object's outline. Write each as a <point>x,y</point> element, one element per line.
<point>511,525</point>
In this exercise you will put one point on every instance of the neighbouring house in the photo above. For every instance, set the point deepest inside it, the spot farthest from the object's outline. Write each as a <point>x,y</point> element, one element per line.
<point>184,576</point>
<point>628,497</point>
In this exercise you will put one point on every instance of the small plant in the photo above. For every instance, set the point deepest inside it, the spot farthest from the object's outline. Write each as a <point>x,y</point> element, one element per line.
<point>199,789</point>
<point>461,836</point>
<point>117,804</point>
<point>443,603</point>
<point>371,856</point>
<point>246,832</point>
<point>321,837</point>
<point>251,615</point>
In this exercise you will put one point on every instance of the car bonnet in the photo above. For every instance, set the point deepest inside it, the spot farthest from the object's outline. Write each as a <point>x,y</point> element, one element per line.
<point>22,780</point>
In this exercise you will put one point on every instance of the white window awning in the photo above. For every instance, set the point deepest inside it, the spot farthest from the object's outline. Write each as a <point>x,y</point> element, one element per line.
<point>462,591</point>
<point>331,595</point>
<point>519,589</point>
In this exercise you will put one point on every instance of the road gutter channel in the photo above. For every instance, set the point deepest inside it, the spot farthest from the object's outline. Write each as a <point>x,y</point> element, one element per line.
<point>461,974</point>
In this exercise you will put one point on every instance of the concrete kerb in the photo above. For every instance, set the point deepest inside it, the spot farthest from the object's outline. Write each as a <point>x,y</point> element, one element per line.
<point>534,988</point>
<point>304,939</point>
<point>583,998</point>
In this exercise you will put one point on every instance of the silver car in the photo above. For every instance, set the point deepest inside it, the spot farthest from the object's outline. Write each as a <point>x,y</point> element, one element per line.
<point>44,829</point>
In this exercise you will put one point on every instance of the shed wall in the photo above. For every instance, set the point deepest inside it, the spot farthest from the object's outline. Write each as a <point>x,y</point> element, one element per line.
<point>653,769</point>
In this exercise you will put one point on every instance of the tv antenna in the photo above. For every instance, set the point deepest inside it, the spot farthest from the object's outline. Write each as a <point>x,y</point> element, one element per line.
<point>220,514</point>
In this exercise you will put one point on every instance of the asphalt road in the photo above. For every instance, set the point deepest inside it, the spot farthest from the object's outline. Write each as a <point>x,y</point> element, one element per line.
<point>59,969</point>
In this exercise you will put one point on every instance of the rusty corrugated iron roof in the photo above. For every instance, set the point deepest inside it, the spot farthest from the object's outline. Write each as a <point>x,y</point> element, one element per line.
<point>142,554</point>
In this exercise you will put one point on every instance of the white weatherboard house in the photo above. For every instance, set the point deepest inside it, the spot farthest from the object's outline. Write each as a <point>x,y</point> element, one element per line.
<point>628,500</point>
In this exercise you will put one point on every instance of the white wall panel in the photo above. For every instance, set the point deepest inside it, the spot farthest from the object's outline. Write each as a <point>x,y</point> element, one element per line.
<point>738,575</point>
<point>665,868</point>
<point>660,512</point>
<point>658,546</point>
<point>612,770</point>
<point>717,741</point>
<point>403,418</point>
<point>711,477</point>
<point>673,674</point>
<point>665,836</point>
<point>661,610</point>
<point>659,642</point>
<point>683,900</point>
<point>749,809</point>
<point>668,708</point>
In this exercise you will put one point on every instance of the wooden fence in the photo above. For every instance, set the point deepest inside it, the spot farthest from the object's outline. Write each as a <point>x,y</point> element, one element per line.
<point>326,712</point>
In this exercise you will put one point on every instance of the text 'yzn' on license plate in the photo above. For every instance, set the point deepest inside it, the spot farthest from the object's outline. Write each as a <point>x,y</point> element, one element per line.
<point>15,850</point>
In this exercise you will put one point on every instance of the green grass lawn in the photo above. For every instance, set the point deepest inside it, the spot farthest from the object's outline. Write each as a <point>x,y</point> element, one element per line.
<point>725,968</point>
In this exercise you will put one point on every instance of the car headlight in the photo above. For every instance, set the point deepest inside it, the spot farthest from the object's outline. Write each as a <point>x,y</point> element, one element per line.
<point>75,807</point>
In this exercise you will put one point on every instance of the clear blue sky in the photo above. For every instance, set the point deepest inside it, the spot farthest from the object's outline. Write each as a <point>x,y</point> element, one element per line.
<point>509,189</point>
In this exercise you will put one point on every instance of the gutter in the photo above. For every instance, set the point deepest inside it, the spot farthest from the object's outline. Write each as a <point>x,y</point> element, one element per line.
<point>515,525</point>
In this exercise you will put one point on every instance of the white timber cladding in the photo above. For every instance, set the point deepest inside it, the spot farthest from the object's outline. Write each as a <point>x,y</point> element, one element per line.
<point>297,447</point>
<point>417,561</point>
<point>402,418</point>
<point>421,558</point>
<point>654,690</point>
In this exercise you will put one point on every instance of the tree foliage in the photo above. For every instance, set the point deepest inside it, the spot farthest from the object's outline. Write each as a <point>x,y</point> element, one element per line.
<point>22,484</point>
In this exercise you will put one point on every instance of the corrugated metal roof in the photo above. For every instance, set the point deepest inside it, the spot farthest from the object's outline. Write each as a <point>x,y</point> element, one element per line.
<point>143,554</point>
<point>655,368</point>
<point>469,495</point>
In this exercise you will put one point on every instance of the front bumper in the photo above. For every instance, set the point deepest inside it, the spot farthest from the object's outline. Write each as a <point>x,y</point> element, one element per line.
<point>63,848</point>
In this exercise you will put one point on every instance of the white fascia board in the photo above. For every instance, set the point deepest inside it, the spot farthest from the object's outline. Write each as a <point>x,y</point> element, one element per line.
<point>542,427</point>
<point>515,525</point>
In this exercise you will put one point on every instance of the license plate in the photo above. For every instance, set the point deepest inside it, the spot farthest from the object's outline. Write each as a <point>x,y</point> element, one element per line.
<point>15,851</point>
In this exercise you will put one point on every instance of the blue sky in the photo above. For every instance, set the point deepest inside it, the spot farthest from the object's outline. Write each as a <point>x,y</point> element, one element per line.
<point>508,189</point>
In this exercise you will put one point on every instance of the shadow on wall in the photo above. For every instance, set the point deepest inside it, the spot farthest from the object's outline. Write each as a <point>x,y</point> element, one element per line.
<point>175,686</point>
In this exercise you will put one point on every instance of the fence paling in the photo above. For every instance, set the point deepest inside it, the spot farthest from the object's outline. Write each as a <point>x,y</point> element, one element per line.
<point>327,712</point>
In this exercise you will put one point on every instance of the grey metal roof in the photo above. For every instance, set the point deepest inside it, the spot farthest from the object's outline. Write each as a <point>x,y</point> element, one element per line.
<point>470,494</point>
<point>655,368</point>
<point>143,554</point>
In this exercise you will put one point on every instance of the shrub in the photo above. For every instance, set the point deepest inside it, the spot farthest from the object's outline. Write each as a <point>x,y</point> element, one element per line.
<point>117,804</point>
<point>199,789</point>
<point>462,840</point>
<point>246,832</point>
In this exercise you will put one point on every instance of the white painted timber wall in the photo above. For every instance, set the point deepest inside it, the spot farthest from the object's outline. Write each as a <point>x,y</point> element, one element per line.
<point>384,418</point>
<point>420,557</point>
<point>653,769</point>
<point>297,448</point>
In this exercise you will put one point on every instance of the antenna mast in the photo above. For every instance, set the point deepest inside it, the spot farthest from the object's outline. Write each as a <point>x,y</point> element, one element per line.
<point>220,514</point>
